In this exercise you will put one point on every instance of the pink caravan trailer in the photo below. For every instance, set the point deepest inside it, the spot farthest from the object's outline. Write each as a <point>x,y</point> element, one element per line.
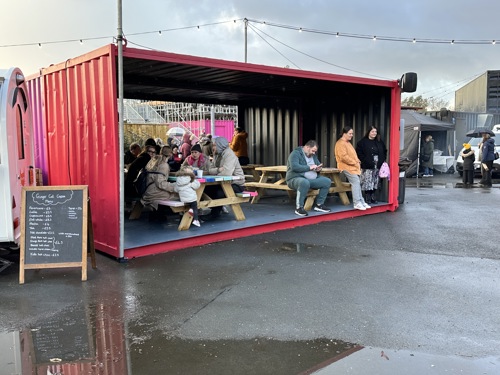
<point>16,152</point>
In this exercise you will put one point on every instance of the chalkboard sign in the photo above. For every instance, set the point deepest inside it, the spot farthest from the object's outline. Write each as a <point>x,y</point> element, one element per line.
<point>54,228</point>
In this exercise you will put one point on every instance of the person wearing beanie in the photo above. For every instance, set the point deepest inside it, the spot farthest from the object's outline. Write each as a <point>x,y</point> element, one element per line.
<point>197,160</point>
<point>468,165</point>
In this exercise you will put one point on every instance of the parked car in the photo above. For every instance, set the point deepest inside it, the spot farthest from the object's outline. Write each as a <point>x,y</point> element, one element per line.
<point>474,143</point>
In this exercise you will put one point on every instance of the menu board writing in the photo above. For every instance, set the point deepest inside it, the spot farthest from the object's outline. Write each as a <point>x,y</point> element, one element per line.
<point>53,226</point>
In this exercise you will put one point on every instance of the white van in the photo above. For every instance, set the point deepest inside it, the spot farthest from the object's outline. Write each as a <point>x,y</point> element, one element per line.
<point>16,151</point>
<point>474,143</point>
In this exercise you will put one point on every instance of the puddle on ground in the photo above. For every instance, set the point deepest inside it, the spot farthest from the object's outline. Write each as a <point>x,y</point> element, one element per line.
<point>96,340</point>
<point>91,342</point>
<point>293,247</point>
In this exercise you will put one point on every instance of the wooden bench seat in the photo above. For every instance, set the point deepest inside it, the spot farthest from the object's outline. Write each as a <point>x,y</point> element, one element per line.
<point>261,186</point>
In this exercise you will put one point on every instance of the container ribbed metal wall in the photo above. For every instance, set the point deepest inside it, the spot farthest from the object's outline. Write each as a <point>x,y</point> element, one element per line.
<point>274,131</point>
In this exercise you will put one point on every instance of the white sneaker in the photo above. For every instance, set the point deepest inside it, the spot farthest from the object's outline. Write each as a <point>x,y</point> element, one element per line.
<point>196,222</point>
<point>359,206</point>
<point>366,205</point>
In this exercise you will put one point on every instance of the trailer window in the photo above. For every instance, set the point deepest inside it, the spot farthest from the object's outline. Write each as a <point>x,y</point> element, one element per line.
<point>20,133</point>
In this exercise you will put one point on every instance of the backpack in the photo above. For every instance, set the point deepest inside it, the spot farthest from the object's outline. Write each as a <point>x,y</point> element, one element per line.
<point>141,182</point>
<point>384,172</point>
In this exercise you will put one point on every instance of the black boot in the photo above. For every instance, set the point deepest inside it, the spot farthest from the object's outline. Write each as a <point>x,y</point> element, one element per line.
<point>372,198</point>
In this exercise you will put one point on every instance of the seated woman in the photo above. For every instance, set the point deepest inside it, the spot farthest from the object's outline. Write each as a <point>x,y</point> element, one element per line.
<point>158,186</point>
<point>175,159</point>
<point>197,160</point>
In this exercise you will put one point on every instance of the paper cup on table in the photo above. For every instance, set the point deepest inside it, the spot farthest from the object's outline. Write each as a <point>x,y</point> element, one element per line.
<point>199,173</point>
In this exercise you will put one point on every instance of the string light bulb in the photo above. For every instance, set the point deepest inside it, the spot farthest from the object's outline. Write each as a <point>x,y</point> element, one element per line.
<point>453,41</point>
<point>159,32</point>
<point>39,45</point>
<point>375,37</point>
<point>81,41</point>
<point>300,30</point>
<point>414,40</point>
<point>494,41</point>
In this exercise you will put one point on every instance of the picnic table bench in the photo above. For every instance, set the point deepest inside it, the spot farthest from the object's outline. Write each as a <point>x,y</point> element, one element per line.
<point>268,174</point>
<point>204,201</point>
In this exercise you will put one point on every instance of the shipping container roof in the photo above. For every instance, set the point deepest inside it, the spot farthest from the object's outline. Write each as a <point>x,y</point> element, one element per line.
<point>154,75</point>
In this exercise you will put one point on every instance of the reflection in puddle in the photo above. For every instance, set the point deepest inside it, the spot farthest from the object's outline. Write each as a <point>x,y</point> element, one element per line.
<point>95,340</point>
<point>74,341</point>
<point>255,356</point>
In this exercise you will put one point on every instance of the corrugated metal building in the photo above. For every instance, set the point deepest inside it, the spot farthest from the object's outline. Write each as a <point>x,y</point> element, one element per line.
<point>76,106</point>
<point>481,95</point>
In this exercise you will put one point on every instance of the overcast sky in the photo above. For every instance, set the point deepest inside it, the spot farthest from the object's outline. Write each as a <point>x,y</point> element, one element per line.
<point>441,68</point>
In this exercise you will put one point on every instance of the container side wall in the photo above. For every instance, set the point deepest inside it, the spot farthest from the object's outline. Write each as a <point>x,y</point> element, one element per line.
<point>82,139</point>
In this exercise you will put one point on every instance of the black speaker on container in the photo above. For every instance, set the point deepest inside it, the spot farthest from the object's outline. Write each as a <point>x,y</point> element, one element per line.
<point>408,82</point>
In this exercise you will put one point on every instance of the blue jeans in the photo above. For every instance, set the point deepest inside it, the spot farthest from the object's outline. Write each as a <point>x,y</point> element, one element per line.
<point>302,185</point>
<point>428,171</point>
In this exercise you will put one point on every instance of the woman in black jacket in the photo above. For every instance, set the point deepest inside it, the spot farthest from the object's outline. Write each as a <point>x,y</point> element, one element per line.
<point>372,153</point>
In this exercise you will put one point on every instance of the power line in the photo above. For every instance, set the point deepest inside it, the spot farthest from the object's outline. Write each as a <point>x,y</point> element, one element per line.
<point>257,32</point>
<point>320,60</point>
<point>492,41</point>
<point>81,40</point>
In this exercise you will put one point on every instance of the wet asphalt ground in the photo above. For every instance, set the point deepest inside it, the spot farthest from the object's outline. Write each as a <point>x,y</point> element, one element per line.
<point>416,291</point>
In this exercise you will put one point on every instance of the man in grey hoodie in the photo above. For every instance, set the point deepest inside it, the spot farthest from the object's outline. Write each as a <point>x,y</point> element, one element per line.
<point>225,164</point>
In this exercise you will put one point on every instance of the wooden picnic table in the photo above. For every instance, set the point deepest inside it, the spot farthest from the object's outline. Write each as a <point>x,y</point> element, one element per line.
<point>268,181</point>
<point>204,201</point>
<point>251,174</point>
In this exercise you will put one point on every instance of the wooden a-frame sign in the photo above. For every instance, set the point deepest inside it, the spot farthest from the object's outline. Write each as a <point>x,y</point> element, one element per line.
<point>55,228</point>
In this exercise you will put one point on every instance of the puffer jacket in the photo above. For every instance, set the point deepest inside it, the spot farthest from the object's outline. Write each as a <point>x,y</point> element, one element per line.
<point>186,188</point>
<point>488,150</point>
<point>468,158</point>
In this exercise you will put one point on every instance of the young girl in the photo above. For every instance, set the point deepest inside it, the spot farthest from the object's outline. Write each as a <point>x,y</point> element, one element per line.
<point>186,185</point>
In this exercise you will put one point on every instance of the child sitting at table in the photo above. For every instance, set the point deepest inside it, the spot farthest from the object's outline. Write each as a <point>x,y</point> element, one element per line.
<point>186,185</point>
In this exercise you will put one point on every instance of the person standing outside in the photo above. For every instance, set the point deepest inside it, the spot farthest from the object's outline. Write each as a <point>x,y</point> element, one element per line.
<point>487,158</point>
<point>349,163</point>
<point>302,174</point>
<point>372,153</point>
<point>239,145</point>
<point>428,156</point>
<point>468,157</point>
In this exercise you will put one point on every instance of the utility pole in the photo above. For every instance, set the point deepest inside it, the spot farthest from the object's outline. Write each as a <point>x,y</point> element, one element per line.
<point>246,37</point>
